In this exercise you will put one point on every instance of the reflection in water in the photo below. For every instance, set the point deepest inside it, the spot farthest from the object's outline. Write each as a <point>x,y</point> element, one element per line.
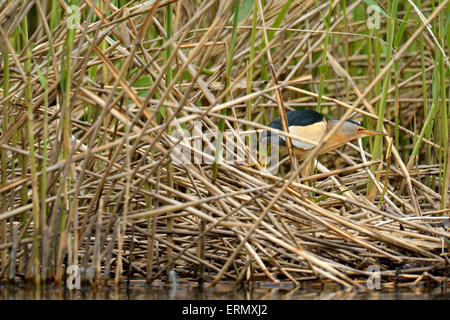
<point>137,290</point>
<point>173,284</point>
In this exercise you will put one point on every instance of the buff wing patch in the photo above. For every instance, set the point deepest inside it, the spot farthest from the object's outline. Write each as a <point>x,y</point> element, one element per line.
<point>312,132</point>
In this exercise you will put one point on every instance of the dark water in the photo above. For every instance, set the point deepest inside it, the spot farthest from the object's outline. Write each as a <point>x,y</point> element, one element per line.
<point>137,290</point>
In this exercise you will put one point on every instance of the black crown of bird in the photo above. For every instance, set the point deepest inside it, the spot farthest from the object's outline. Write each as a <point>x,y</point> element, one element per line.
<point>311,125</point>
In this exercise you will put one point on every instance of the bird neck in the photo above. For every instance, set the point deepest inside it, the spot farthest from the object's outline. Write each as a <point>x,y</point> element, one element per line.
<point>335,141</point>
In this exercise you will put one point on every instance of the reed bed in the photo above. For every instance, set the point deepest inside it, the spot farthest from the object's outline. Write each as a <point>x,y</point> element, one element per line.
<point>103,103</point>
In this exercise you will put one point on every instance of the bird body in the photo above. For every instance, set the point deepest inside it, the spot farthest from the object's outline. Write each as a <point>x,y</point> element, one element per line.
<point>314,126</point>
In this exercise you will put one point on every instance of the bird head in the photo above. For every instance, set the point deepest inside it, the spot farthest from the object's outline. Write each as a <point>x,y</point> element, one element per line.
<point>352,129</point>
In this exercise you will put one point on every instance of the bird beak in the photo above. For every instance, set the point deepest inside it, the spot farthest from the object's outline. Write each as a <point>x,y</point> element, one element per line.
<point>369,132</point>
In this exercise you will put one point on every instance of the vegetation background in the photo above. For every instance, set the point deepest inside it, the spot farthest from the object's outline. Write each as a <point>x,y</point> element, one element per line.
<point>93,90</point>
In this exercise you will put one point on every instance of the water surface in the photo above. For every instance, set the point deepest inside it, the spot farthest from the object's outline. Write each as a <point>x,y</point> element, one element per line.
<point>138,290</point>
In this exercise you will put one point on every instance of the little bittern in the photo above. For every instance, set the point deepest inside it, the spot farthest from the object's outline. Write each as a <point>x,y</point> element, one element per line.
<point>313,126</point>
